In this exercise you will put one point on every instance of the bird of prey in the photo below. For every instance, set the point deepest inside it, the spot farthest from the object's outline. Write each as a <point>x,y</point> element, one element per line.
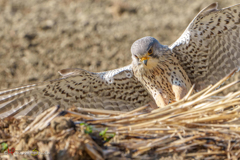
<point>208,50</point>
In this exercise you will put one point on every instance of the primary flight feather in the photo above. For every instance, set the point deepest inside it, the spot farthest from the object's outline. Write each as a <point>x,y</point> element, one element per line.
<point>207,51</point>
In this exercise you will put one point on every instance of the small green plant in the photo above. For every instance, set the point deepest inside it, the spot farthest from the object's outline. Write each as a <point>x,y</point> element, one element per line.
<point>4,146</point>
<point>106,136</point>
<point>88,129</point>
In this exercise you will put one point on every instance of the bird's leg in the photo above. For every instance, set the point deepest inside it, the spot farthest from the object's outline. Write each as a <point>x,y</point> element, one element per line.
<point>161,99</point>
<point>153,105</point>
<point>179,91</point>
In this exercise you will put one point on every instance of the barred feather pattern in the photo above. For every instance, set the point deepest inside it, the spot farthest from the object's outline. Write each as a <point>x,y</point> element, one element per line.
<point>115,90</point>
<point>207,51</point>
<point>209,48</point>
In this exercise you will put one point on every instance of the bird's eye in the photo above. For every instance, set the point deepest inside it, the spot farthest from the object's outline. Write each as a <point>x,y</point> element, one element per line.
<point>136,56</point>
<point>150,51</point>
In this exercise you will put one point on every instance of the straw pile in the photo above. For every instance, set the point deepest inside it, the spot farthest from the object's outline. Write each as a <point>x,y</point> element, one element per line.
<point>201,126</point>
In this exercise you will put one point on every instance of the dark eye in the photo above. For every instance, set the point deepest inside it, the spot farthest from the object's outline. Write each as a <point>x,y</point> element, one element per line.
<point>136,56</point>
<point>150,51</point>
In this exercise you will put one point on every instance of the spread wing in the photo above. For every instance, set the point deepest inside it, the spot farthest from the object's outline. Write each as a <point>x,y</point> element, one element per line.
<point>210,46</point>
<point>112,90</point>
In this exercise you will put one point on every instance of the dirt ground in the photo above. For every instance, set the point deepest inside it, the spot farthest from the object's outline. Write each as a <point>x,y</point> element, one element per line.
<point>40,37</point>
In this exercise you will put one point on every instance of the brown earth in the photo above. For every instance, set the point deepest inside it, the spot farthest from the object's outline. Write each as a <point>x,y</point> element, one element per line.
<point>40,37</point>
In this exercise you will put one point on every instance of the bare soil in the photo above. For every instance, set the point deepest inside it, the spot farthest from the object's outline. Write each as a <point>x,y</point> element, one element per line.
<point>40,37</point>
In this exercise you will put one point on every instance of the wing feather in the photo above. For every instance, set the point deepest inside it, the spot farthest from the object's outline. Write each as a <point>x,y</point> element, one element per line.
<point>209,48</point>
<point>112,90</point>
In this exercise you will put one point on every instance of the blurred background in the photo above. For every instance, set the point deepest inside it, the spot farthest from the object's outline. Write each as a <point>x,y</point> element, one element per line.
<point>40,37</point>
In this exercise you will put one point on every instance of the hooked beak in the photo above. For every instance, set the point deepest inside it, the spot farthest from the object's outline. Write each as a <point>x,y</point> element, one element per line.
<point>145,60</point>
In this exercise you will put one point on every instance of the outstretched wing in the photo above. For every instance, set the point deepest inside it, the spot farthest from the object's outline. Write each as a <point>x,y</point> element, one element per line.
<point>210,46</point>
<point>112,90</point>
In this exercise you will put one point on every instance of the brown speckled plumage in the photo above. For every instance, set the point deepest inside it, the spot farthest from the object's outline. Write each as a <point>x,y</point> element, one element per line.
<point>163,76</point>
<point>207,51</point>
<point>113,90</point>
<point>209,48</point>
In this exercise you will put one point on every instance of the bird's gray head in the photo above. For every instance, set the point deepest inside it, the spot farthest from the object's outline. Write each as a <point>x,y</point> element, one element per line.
<point>146,51</point>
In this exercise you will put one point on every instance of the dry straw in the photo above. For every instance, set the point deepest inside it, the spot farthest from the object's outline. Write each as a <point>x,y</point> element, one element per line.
<point>202,126</point>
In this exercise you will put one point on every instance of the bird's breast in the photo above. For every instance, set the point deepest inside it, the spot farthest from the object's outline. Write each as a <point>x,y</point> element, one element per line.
<point>156,80</point>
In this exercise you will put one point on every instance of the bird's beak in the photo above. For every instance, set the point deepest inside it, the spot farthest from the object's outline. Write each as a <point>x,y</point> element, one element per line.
<point>145,60</point>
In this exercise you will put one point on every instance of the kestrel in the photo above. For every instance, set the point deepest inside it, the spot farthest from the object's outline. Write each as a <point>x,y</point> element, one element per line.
<point>208,50</point>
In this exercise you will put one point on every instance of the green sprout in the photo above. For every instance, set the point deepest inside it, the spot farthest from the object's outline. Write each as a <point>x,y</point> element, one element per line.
<point>88,129</point>
<point>106,136</point>
<point>4,146</point>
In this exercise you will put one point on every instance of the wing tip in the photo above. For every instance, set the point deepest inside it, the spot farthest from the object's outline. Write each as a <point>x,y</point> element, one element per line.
<point>211,8</point>
<point>70,72</point>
